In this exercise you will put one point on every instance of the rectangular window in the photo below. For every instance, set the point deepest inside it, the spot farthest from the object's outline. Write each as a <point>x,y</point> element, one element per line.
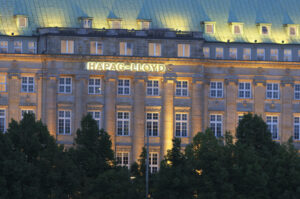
<point>216,89</point>
<point>64,122</point>
<point>126,48</point>
<point>123,123</point>
<point>3,47</point>
<point>181,124</point>
<point>296,128</point>
<point>87,23</point>
<point>247,54</point>
<point>115,24</point>
<point>67,46</point>
<point>122,159</point>
<point>209,28</point>
<point>17,47</point>
<point>26,111</point>
<point>94,86</point>
<point>272,91</point>
<point>152,88</point>
<point>233,53</point>
<point>2,83</point>
<point>22,21</point>
<point>293,31</point>
<point>237,29</point>
<point>153,162</point>
<point>274,55</point>
<point>96,48</point>
<point>145,25</point>
<point>216,124</point>
<point>155,49</point>
<point>206,52</point>
<point>183,50</point>
<point>27,85</point>
<point>31,47</point>
<point>219,53</point>
<point>2,121</point>
<point>260,54</point>
<point>287,55</point>
<point>65,85</point>
<point>265,29</point>
<point>123,87</point>
<point>152,124</point>
<point>182,88</point>
<point>96,116</point>
<point>272,122</point>
<point>297,92</point>
<point>244,90</point>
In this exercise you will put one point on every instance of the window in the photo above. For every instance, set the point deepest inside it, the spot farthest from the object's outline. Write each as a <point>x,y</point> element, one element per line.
<point>64,122</point>
<point>233,53</point>
<point>94,86</point>
<point>265,29</point>
<point>216,124</point>
<point>22,21</point>
<point>183,50</point>
<point>2,83</point>
<point>96,48</point>
<point>65,85</point>
<point>123,125</point>
<point>247,54</point>
<point>123,87</point>
<point>152,124</point>
<point>297,92</point>
<point>206,52</point>
<point>219,53</point>
<point>181,124</point>
<point>153,162</point>
<point>292,31</point>
<point>274,54</point>
<point>67,46</point>
<point>272,91</point>
<point>260,54</point>
<point>182,88</point>
<point>287,55</point>
<point>216,89</point>
<point>27,85</point>
<point>96,116</point>
<point>240,117</point>
<point>272,122</point>
<point>123,159</point>
<point>296,128</point>
<point>115,24</point>
<point>26,111</point>
<point>244,90</point>
<point>3,47</point>
<point>31,47</point>
<point>237,29</point>
<point>2,121</point>
<point>145,25</point>
<point>155,49</point>
<point>152,88</point>
<point>126,48</point>
<point>209,28</point>
<point>17,47</point>
<point>87,23</point>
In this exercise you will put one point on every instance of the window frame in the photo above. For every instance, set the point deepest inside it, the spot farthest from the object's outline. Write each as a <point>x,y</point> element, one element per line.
<point>270,123</point>
<point>3,45</point>
<point>297,91</point>
<point>127,51</point>
<point>23,111</point>
<point>246,54</point>
<point>155,52</point>
<point>296,130</point>
<point>153,122</point>
<point>180,89</point>
<point>274,55</point>
<point>186,50</point>
<point>261,56</point>
<point>215,124</point>
<point>94,87</point>
<point>67,46</point>
<point>123,87</point>
<point>272,91</point>
<point>95,45</point>
<point>3,119</point>
<point>154,90</point>
<point>244,90</point>
<point>287,56</point>
<point>122,158</point>
<point>206,52</point>
<point>216,89</point>
<point>3,84</point>
<point>27,86</point>
<point>32,50</point>
<point>181,125</point>
<point>17,47</point>
<point>94,114</point>
<point>123,121</point>
<point>64,85</point>
<point>219,53</point>
<point>233,53</point>
<point>213,25</point>
<point>64,120</point>
<point>153,162</point>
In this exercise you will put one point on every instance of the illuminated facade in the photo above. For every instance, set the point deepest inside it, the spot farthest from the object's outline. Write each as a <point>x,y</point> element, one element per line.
<point>147,66</point>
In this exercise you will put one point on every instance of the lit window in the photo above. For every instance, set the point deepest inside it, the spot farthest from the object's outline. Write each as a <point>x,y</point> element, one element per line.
<point>260,54</point>
<point>2,83</point>
<point>115,24</point>
<point>96,116</point>
<point>209,28</point>
<point>274,54</point>
<point>247,54</point>
<point>297,92</point>
<point>152,124</point>
<point>18,47</point>
<point>216,89</point>
<point>87,23</point>
<point>219,53</point>
<point>96,48</point>
<point>64,122</point>
<point>237,29</point>
<point>27,85</point>
<point>2,120</point>
<point>155,49</point>
<point>181,124</point>
<point>126,48</point>
<point>292,30</point>
<point>182,88</point>
<point>206,52</point>
<point>272,122</point>
<point>22,21</point>
<point>233,53</point>
<point>122,159</point>
<point>123,87</point>
<point>216,124</point>
<point>94,86</point>
<point>272,91</point>
<point>123,123</point>
<point>153,162</point>
<point>67,46</point>
<point>3,47</point>
<point>26,111</point>
<point>287,55</point>
<point>183,50</point>
<point>265,29</point>
<point>296,128</point>
<point>152,88</point>
<point>145,25</point>
<point>65,85</point>
<point>31,47</point>
<point>244,90</point>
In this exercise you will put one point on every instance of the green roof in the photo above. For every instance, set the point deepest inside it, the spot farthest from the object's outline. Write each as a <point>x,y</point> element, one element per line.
<point>185,15</point>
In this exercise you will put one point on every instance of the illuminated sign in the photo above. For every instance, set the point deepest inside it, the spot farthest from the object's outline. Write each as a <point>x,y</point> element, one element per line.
<point>121,66</point>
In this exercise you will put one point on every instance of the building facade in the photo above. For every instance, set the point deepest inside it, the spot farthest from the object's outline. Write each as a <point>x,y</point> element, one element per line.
<point>164,68</point>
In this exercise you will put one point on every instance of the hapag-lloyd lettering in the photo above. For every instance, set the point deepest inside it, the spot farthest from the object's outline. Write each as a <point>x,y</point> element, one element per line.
<point>120,66</point>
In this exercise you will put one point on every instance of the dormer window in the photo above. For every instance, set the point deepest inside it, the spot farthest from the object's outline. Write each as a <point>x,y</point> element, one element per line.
<point>237,28</point>
<point>209,27</point>
<point>143,24</point>
<point>22,21</point>
<point>115,23</point>
<point>265,29</point>
<point>292,30</point>
<point>86,22</point>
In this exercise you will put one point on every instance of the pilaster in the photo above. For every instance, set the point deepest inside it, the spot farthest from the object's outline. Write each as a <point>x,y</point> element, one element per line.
<point>259,97</point>
<point>197,107</point>
<point>14,88</point>
<point>286,117</point>
<point>51,98</point>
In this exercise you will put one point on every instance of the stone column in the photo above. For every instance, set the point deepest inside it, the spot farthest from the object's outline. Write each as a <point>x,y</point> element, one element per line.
<point>138,118</point>
<point>286,118</point>
<point>39,96</point>
<point>231,95</point>
<point>205,113</point>
<point>14,89</point>
<point>259,97</point>
<point>51,110</point>
<point>197,107</point>
<point>80,96</point>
